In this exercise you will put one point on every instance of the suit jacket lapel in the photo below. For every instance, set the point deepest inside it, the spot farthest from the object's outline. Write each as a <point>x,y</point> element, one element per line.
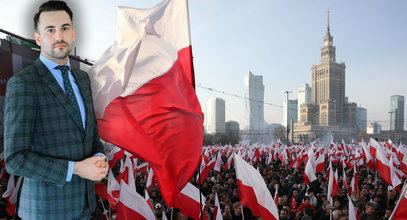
<point>48,79</point>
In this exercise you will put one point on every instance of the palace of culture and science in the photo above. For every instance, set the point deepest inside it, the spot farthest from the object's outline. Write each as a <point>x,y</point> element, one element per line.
<point>329,112</point>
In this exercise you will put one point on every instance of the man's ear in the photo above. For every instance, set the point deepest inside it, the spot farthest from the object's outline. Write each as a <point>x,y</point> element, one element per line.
<point>37,38</point>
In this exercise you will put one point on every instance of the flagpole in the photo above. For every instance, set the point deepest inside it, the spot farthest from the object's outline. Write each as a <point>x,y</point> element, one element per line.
<point>110,212</point>
<point>104,209</point>
<point>172,212</point>
<point>375,181</point>
<point>241,206</point>
<point>199,187</point>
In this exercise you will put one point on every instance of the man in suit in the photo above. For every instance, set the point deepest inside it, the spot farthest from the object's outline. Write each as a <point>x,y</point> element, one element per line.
<point>51,137</point>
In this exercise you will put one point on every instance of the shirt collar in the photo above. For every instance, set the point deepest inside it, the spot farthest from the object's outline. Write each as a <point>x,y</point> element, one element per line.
<point>51,64</point>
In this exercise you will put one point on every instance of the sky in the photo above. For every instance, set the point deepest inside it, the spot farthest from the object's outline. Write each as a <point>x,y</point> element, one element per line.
<point>278,39</point>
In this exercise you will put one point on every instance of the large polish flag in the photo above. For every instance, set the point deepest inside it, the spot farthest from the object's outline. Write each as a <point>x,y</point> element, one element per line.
<point>253,191</point>
<point>144,97</point>
<point>190,201</point>
<point>400,211</point>
<point>384,165</point>
<point>132,205</point>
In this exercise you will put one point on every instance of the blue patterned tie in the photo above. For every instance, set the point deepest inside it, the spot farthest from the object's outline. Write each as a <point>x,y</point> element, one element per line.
<point>69,91</point>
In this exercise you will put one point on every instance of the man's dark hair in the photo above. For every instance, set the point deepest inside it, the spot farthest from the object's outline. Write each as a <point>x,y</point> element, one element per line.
<point>51,6</point>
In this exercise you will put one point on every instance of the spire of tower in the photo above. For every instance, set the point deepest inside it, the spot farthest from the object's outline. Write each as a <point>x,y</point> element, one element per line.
<point>327,26</point>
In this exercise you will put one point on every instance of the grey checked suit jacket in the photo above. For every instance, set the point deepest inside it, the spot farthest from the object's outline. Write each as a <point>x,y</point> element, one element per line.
<point>41,135</point>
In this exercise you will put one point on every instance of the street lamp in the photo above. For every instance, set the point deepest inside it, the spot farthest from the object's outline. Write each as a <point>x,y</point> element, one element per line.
<point>259,115</point>
<point>288,130</point>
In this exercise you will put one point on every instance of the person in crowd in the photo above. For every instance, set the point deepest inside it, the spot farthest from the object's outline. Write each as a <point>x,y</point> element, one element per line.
<point>369,211</point>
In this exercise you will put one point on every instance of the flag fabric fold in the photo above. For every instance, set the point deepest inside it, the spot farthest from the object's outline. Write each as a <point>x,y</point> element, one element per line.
<point>144,97</point>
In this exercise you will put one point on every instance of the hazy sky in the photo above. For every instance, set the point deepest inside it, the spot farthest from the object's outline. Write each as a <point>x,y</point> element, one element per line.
<point>280,40</point>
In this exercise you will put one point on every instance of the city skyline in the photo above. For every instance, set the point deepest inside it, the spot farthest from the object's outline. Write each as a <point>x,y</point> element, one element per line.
<point>279,40</point>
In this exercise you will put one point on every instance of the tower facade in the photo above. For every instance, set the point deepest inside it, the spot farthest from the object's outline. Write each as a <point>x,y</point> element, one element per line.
<point>215,108</point>
<point>254,92</point>
<point>328,113</point>
<point>397,115</point>
<point>328,84</point>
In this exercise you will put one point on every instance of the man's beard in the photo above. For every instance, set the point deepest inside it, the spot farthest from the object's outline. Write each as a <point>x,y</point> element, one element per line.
<point>59,54</point>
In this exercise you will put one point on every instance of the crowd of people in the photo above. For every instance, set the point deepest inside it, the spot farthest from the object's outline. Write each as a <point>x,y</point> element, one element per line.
<point>374,199</point>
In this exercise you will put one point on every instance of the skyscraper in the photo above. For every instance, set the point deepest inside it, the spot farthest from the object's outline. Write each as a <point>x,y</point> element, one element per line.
<point>254,92</point>
<point>215,122</point>
<point>361,119</point>
<point>328,83</point>
<point>328,113</point>
<point>292,113</point>
<point>397,113</point>
<point>304,97</point>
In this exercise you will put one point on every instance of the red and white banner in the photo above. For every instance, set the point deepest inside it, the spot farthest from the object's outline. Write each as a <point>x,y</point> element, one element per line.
<point>384,166</point>
<point>113,154</point>
<point>217,214</point>
<point>400,211</point>
<point>132,205</point>
<point>144,97</point>
<point>188,201</point>
<point>113,190</point>
<point>309,173</point>
<point>333,185</point>
<point>218,163</point>
<point>352,211</point>
<point>11,194</point>
<point>205,168</point>
<point>320,163</point>
<point>150,179</point>
<point>253,191</point>
<point>354,183</point>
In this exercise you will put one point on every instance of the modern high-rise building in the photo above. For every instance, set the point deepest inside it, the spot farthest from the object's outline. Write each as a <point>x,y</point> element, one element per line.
<point>291,112</point>
<point>215,116</point>
<point>397,113</point>
<point>303,97</point>
<point>361,119</point>
<point>232,127</point>
<point>254,92</point>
